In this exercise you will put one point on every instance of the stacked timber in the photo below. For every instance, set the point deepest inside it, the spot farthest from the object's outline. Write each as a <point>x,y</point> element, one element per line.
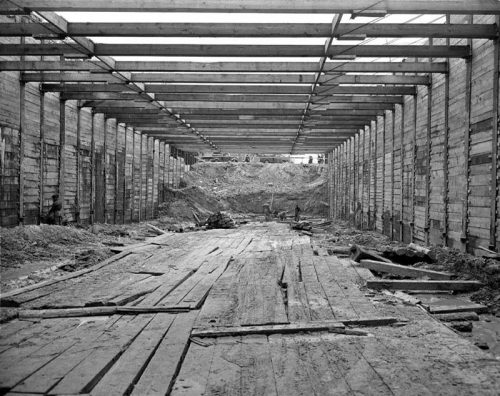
<point>220,220</point>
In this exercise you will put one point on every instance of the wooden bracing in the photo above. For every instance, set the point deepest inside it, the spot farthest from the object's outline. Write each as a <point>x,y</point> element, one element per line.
<point>285,106</point>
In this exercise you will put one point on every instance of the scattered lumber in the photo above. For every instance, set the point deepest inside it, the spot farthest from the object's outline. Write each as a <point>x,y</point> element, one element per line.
<point>464,327</point>
<point>443,309</point>
<point>457,285</point>
<point>220,220</point>
<point>345,250</point>
<point>457,317</point>
<point>491,254</point>
<point>301,226</point>
<point>410,254</point>
<point>156,230</point>
<point>358,253</point>
<point>402,270</point>
<point>406,298</point>
<point>96,311</point>
<point>306,233</point>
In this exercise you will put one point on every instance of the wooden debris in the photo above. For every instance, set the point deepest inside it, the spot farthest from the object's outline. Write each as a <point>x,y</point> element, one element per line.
<point>442,309</point>
<point>156,229</point>
<point>331,326</point>
<point>220,220</point>
<point>345,250</point>
<point>409,255</point>
<point>269,329</point>
<point>402,270</point>
<point>464,327</point>
<point>424,285</point>
<point>457,317</point>
<point>358,253</point>
<point>491,254</point>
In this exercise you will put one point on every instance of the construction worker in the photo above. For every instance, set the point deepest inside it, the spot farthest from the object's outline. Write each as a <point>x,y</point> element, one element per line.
<point>297,213</point>
<point>54,215</point>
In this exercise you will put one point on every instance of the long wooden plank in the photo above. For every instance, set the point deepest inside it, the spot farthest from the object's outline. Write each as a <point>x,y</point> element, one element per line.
<point>217,67</point>
<point>134,29</point>
<point>279,6</point>
<point>20,363</point>
<point>424,285</point>
<point>417,51</point>
<point>333,326</point>
<point>397,269</point>
<point>85,360</point>
<point>158,377</point>
<point>126,371</point>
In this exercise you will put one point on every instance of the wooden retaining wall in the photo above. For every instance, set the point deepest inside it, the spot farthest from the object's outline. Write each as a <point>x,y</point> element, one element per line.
<point>103,171</point>
<point>427,171</point>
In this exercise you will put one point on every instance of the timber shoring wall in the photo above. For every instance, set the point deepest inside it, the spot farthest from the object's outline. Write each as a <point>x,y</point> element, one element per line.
<point>427,172</point>
<point>103,171</point>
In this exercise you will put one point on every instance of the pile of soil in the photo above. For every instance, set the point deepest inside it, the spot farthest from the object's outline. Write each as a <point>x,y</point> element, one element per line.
<point>246,187</point>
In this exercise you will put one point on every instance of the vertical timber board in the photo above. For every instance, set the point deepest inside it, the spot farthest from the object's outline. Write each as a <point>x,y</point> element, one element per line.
<point>458,124</point>
<point>100,174</point>
<point>483,141</point>
<point>428,151</point>
<point>421,162</point>
<point>382,172</point>
<point>374,159</point>
<point>495,196</point>
<point>141,170</point>
<point>446,169</point>
<point>92,169</point>
<point>105,164</point>
<point>388,178</point>
<point>146,173</point>
<point>116,184</point>
<point>22,137</point>
<point>408,169</point>
<point>401,175</point>
<point>396,172</point>
<point>437,164</point>
<point>466,153</point>
<point>368,160</point>
<point>392,175</point>
<point>62,154</point>
<point>413,167</point>
<point>42,157</point>
<point>78,162</point>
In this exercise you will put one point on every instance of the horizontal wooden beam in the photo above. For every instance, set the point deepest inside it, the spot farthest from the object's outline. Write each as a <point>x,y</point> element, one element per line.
<point>233,50</point>
<point>129,29</point>
<point>217,67</point>
<point>278,6</point>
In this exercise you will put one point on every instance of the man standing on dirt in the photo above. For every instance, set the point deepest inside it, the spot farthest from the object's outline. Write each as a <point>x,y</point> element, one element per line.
<point>54,215</point>
<point>297,213</point>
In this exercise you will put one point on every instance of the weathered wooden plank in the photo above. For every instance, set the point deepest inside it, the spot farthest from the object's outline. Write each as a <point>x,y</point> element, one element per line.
<point>402,270</point>
<point>158,377</point>
<point>126,371</point>
<point>443,309</point>
<point>424,285</point>
<point>320,6</point>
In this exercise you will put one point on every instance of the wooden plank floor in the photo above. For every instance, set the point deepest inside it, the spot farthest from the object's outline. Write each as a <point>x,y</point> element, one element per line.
<point>259,274</point>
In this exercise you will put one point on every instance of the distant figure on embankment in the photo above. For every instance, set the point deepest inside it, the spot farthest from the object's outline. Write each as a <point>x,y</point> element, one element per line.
<point>297,212</point>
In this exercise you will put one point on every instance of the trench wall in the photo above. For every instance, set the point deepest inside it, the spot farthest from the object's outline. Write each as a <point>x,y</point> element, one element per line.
<point>102,170</point>
<point>427,171</point>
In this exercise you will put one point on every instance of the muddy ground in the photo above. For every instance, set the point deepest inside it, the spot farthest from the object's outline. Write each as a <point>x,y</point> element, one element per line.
<point>33,254</point>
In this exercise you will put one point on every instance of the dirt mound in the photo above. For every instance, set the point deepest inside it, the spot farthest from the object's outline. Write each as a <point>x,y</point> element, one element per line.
<point>32,242</point>
<point>245,187</point>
